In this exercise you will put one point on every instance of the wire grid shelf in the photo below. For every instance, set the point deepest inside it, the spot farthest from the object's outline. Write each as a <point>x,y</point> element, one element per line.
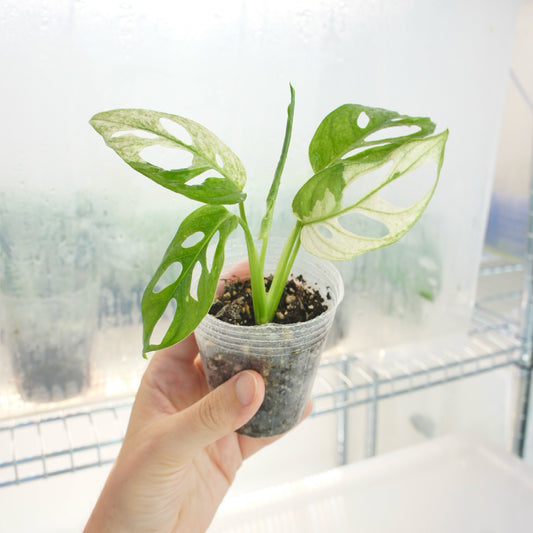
<point>350,381</point>
<point>65,441</point>
<point>70,440</point>
<point>494,341</point>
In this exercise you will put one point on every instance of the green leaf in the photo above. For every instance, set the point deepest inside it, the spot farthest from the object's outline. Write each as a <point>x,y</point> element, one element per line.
<point>130,131</point>
<point>350,126</point>
<point>318,205</point>
<point>186,254</point>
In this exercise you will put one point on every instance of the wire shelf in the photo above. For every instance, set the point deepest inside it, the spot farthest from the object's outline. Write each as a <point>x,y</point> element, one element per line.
<point>350,381</point>
<point>46,445</point>
<point>65,441</point>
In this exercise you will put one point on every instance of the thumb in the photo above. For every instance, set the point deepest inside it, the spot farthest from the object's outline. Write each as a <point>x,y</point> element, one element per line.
<point>222,411</point>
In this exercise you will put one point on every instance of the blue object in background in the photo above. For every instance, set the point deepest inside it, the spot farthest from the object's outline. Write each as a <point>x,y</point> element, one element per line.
<point>508,223</point>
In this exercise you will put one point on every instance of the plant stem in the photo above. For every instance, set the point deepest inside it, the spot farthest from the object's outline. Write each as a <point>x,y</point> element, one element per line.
<point>283,269</point>
<point>257,281</point>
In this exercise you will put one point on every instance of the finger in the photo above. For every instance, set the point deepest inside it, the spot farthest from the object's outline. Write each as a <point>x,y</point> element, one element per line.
<point>249,445</point>
<point>173,374</point>
<point>217,414</point>
<point>183,351</point>
<point>199,366</point>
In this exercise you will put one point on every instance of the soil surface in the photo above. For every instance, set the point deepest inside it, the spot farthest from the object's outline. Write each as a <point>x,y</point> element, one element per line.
<point>299,302</point>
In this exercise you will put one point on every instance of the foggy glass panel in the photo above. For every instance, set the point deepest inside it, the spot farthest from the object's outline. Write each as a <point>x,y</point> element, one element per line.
<point>81,233</point>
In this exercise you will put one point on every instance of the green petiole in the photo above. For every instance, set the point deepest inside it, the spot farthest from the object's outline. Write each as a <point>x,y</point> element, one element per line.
<point>259,296</point>
<point>265,304</point>
<point>283,270</point>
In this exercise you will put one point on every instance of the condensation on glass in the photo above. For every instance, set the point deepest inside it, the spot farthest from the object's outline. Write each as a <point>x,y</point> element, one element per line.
<point>81,233</point>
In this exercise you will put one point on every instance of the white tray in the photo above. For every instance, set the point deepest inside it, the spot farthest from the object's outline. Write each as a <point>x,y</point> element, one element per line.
<point>452,484</point>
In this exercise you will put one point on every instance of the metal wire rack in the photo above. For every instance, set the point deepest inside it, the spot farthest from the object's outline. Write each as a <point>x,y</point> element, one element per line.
<point>47,445</point>
<point>352,382</point>
<point>65,441</point>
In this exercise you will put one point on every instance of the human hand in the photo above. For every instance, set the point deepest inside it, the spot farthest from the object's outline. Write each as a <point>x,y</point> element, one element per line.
<point>180,452</point>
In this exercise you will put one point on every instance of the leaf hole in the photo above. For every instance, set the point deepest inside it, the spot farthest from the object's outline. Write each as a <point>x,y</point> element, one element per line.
<point>364,184</point>
<point>137,133</point>
<point>211,250</point>
<point>324,231</point>
<point>363,225</point>
<point>169,276</point>
<point>166,158</point>
<point>176,130</point>
<point>394,132</point>
<point>195,280</point>
<point>200,179</point>
<point>193,239</point>
<point>412,186</point>
<point>163,324</point>
<point>360,149</point>
<point>362,120</point>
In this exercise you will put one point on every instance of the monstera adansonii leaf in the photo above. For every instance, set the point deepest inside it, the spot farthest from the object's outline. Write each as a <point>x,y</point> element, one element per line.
<point>353,127</point>
<point>320,204</point>
<point>129,132</point>
<point>187,275</point>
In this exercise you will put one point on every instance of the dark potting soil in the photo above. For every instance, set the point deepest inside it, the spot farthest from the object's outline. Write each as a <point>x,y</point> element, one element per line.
<point>289,377</point>
<point>288,381</point>
<point>299,303</point>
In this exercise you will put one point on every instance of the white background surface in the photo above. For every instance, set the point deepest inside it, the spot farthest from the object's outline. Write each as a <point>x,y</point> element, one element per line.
<point>453,484</point>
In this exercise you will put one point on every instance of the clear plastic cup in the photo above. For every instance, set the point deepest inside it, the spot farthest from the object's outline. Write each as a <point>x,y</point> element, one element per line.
<point>286,355</point>
<point>50,341</point>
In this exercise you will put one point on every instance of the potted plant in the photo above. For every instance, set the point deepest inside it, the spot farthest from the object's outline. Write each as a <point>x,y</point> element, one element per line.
<point>358,155</point>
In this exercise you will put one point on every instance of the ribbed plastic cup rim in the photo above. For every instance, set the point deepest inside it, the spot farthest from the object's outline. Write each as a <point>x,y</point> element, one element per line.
<point>262,337</point>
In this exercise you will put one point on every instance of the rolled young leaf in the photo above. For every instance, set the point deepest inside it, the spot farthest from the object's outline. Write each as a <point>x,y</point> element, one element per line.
<point>318,205</point>
<point>130,131</point>
<point>266,222</point>
<point>187,254</point>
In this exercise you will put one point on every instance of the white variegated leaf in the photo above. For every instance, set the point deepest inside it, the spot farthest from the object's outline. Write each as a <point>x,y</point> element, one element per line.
<point>337,243</point>
<point>319,203</point>
<point>129,132</point>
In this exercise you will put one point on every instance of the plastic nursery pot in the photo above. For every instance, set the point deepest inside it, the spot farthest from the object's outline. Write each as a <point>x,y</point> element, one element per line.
<point>286,356</point>
<point>50,341</point>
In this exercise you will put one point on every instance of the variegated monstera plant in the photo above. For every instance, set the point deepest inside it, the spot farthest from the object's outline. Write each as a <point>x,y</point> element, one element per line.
<point>351,142</point>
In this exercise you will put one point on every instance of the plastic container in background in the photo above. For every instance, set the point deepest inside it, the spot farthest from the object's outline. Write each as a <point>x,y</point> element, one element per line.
<point>49,340</point>
<point>286,355</point>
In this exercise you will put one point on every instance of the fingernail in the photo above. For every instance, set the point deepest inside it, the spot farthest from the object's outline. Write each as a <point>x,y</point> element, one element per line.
<point>246,388</point>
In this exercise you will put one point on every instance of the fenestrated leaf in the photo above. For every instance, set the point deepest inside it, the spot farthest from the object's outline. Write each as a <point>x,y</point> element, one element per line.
<point>130,131</point>
<point>349,127</point>
<point>204,222</point>
<point>318,205</point>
